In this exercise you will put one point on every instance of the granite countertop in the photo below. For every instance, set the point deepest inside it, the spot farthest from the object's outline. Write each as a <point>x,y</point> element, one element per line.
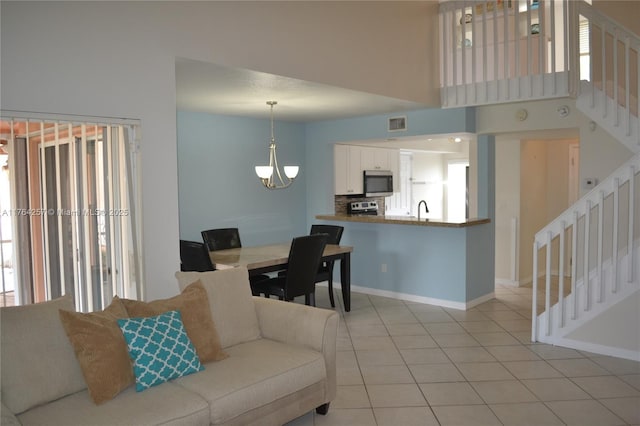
<point>403,220</point>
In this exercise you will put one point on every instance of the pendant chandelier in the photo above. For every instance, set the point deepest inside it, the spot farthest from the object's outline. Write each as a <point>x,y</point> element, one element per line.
<point>270,175</point>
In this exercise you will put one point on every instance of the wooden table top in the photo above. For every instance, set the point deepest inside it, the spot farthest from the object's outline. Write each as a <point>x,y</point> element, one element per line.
<point>263,256</point>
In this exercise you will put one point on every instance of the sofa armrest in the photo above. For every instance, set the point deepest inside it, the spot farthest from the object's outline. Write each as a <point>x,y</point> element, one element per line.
<point>7,418</point>
<point>302,325</point>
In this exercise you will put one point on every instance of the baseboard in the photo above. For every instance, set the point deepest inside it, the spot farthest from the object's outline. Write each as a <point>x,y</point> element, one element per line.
<point>594,348</point>
<point>480,300</point>
<point>541,276</point>
<point>526,280</point>
<point>463,306</point>
<point>507,282</point>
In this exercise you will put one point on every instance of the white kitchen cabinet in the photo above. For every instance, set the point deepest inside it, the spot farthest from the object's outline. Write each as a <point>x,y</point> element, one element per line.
<point>382,159</point>
<point>347,169</point>
<point>351,160</point>
<point>374,158</point>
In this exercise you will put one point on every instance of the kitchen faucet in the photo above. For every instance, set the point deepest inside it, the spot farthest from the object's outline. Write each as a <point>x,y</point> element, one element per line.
<point>426,209</point>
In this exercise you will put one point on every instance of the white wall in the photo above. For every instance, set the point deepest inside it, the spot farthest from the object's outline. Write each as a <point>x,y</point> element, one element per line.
<point>600,154</point>
<point>622,318</point>
<point>462,156</point>
<point>428,175</point>
<point>117,59</point>
<point>533,200</point>
<point>623,11</point>
<point>507,209</point>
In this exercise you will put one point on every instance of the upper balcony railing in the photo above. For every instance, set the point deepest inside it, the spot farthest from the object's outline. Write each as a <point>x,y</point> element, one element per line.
<point>504,50</point>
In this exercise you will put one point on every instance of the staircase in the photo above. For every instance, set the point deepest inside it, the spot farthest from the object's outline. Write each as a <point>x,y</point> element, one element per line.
<point>594,245</point>
<point>585,262</point>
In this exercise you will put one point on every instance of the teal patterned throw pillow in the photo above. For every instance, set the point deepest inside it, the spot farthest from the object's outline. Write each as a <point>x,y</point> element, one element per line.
<point>160,349</point>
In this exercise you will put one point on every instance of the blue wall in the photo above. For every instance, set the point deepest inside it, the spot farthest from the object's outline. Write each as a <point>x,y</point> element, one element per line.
<point>482,239</point>
<point>217,184</point>
<point>422,261</point>
<point>218,188</point>
<point>321,136</point>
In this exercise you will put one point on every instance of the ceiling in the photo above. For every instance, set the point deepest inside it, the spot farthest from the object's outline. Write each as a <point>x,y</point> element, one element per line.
<point>216,89</point>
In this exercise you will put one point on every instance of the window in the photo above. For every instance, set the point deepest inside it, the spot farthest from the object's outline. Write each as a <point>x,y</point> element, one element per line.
<point>71,222</point>
<point>585,50</point>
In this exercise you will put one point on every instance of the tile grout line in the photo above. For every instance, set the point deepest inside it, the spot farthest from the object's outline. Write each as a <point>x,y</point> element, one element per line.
<point>543,357</point>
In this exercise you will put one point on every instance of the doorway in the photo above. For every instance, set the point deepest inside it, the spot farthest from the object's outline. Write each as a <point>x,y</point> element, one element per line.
<point>535,182</point>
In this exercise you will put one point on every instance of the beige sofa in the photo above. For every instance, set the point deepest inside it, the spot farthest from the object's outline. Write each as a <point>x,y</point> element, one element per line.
<point>281,365</point>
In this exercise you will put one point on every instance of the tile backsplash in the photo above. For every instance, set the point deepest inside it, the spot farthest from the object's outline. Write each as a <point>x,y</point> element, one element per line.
<point>342,201</point>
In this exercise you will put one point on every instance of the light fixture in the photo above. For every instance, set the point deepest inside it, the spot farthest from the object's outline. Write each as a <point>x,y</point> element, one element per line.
<point>563,111</point>
<point>269,174</point>
<point>521,114</point>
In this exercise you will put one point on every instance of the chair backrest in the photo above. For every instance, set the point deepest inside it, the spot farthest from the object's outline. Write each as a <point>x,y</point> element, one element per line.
<point>334,232</point>
<point>194,256</point>
<point>304,259</point>
<point>221,238</point>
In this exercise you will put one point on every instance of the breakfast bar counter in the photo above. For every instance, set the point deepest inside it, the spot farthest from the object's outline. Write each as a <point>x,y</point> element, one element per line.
<point>442,263</point>
<point>403,220</point>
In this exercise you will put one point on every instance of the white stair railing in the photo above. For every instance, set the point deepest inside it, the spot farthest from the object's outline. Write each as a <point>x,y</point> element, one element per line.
<point>592,235</point>
<point>608,61</point>
<point>504,51</point>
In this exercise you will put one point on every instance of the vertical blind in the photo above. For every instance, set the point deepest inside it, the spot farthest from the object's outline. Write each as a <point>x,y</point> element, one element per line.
<point>75,208</point>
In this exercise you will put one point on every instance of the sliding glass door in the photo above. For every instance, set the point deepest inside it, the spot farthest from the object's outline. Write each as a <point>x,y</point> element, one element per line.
<point>77,194</point>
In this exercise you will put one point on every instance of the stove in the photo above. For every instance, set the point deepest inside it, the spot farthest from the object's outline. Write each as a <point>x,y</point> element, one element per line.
<point>358,208</point>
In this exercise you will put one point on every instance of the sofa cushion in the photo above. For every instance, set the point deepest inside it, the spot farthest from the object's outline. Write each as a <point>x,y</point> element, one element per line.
<point>100,349</point>
<point>38,362</point>
<point>160,349</point>
<point>231,303</point>
<point>7,418</point>
<point>193,305</point>
<point>161,405</point>
<point>256,373</point>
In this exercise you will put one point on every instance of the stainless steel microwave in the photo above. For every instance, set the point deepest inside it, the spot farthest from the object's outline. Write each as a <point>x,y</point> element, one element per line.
<point>378,183</point>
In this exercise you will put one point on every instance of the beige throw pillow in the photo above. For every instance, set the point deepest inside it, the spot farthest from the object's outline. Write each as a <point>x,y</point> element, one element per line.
<point>101,350</point>
<point>232,306</point>
<point>193,305</point>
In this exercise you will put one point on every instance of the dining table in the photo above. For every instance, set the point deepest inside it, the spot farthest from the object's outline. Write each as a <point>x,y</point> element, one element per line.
<point>274,257</point>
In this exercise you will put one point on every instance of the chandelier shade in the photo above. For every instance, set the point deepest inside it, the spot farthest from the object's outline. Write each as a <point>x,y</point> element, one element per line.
<point>270,175</point>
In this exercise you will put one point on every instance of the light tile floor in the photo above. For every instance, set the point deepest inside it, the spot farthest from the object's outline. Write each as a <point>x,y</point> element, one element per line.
<point>404,364</point>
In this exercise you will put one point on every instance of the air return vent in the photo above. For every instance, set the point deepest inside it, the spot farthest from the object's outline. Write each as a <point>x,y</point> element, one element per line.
<point>397,124</point>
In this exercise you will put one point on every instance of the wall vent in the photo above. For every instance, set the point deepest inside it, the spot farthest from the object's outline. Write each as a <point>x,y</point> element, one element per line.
<point>397,124</point>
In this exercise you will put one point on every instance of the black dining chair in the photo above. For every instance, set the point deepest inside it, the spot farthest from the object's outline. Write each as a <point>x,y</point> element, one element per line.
<point>325,271</point>
<point>305,255</point>
<point>194,256</point>
<point>227,238</point>
<point>221,238</point>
